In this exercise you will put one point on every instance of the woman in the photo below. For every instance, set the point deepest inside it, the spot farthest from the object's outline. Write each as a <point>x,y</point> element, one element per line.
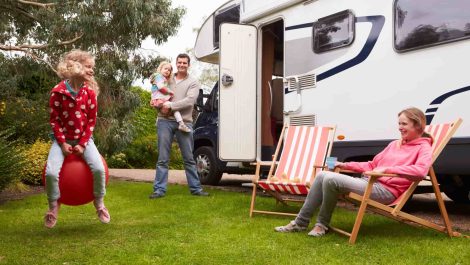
<point>409,157</point>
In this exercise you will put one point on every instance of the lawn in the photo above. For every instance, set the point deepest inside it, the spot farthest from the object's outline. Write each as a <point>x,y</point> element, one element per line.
<point>183,229</point>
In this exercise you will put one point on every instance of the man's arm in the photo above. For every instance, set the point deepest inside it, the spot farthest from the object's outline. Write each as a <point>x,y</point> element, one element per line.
<point>189,100</point>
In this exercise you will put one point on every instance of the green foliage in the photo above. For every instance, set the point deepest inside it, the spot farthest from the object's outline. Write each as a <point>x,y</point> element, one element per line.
<point>28,118</point>
<point>118,160</point>
<point>24,95</point>
<point>11,160</point>
<point>183,229</point>
<point>145,116</point>
<point>142,151</point>
<point>36,157</point>
<point>112,30</point>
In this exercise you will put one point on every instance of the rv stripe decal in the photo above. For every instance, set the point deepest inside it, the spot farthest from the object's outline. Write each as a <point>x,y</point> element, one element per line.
<point>433,106</point>
<point>300,26</point>
<point>377,25</point>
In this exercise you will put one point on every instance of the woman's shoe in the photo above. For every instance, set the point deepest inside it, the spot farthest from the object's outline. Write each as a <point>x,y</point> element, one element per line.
<point>290,227</point>
<point>318,230</point>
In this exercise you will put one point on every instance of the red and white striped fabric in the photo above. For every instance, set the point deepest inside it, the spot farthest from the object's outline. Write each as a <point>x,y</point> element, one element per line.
<point>304,147</point>
<point>439,133</point>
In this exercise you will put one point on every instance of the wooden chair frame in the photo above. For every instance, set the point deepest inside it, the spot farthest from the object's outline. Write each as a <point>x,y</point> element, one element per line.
<point>273,164</point>
<point>395,211</point>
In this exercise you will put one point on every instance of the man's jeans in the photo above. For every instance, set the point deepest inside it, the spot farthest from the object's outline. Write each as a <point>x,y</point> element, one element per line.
<point>54,163</point>
<point>166,130</point>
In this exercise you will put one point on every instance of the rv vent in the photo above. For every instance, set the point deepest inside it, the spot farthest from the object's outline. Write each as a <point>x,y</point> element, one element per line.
<point>305,82</point>
<point>308,120</point>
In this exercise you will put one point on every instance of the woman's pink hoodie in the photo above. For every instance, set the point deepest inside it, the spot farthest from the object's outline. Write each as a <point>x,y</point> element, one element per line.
<point>409,160</point>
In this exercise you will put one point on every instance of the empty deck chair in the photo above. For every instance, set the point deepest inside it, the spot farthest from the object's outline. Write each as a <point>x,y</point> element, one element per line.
<point>304,149</point>
<point>441,133</point>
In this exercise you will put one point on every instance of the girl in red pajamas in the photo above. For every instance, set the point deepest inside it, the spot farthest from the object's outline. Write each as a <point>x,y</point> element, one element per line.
<point>73,109</point>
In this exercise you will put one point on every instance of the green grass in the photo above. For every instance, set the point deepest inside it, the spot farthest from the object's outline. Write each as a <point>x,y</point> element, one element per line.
<point>183,229</point>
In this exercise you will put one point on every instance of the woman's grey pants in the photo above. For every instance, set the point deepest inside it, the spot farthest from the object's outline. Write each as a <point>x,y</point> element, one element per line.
<point>326,188</point>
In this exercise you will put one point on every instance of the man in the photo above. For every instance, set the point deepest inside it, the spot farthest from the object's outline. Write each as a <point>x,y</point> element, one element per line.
<point>186,90</point>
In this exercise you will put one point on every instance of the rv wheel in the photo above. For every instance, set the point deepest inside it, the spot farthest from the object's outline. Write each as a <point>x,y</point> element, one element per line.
<point>456,187</point>
<point>207,165</point>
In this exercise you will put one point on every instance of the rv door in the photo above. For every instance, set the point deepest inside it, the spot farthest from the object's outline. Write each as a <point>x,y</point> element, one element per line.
<point>237,93</point>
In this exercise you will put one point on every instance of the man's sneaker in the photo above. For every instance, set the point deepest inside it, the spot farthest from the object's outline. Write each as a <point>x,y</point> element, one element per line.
<point>156,195</point>
<point>290,227</point>
<point>103,215</point>
<point>200,193</point>
<point>182,127</point>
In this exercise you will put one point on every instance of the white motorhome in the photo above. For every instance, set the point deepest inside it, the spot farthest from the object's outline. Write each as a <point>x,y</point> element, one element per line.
<point>354,64</point>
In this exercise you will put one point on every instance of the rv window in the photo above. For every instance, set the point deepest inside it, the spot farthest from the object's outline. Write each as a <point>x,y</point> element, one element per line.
<point>333,31</point>
<point>424,23</point>
<point>231,15</point>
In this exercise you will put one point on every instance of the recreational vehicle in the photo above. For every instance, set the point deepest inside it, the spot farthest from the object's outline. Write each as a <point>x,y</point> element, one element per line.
<point>353,64</point>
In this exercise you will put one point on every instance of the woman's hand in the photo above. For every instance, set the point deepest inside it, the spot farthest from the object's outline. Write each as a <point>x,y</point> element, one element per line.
<point>340,165</point>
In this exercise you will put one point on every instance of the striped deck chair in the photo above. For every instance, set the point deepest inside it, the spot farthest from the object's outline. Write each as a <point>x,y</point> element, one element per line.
<point>441,134</point>
<point>304,149</point>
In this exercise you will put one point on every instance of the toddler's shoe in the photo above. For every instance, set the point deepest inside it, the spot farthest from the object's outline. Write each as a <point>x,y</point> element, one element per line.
<point>103,215</point>
<point>182,127</point>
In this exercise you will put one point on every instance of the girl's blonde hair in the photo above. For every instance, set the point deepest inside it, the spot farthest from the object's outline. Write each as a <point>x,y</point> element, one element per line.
<point>71,64</point>
<point>160,66</point>
<point>419,120</point>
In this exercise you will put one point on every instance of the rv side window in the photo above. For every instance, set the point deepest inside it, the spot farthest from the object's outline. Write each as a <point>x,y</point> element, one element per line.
<point>333,31</point>
<point>230,14</point>
<point>423,23</point>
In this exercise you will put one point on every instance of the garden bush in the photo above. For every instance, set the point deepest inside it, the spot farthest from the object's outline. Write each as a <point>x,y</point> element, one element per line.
<point>11,161</point>
<point>36,157</point>
<point>143,153</point>
<point>118,160</point>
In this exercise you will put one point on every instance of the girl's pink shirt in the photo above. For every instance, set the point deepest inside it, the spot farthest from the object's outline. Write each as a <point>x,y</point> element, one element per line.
<point>410,160</point>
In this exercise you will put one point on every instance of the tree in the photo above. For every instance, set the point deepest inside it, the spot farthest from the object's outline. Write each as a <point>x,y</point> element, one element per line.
<point>113,30</point>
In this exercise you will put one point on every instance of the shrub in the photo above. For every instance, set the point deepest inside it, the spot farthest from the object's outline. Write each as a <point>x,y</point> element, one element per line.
<point>143,153</point>
<point>36,157</point>
<point>11,161</point>
<point>176,159</point>
<point>27,118</point>
<point>118,161</point>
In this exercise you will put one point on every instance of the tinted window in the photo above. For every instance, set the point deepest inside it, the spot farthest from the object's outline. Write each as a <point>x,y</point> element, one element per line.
<point>423,23</point>
<point>333,31</point>
<point>231,15</point>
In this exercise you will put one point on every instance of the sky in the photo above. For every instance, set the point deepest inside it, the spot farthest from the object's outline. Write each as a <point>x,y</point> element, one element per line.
<point>196,12</point>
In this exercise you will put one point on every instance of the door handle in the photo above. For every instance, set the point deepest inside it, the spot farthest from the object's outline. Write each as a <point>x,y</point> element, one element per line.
<point>227,80</point>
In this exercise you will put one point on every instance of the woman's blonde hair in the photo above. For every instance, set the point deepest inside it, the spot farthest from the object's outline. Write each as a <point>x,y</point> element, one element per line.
<point>71,64</point>
<point>418,118</point>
